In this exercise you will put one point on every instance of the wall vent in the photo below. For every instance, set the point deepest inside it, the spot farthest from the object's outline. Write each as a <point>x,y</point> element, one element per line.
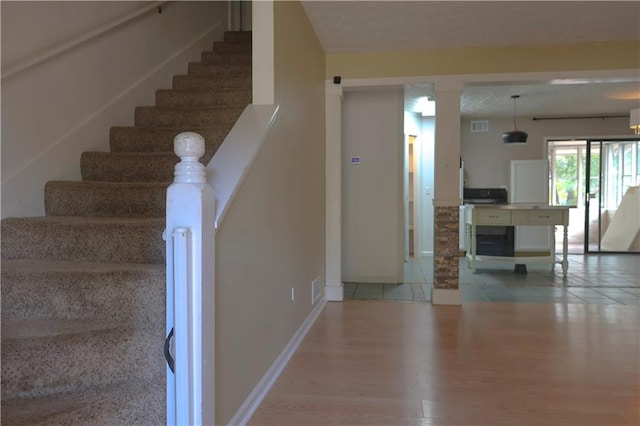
<point>479,126</point>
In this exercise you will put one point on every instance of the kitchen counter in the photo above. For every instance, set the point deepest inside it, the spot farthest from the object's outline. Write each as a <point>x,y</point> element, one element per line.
<point>517,206</point>
<point>516,215</point>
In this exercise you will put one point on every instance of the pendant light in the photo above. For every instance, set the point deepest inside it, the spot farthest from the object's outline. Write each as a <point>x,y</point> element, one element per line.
<point>634,120</point>
<point>515,135</point>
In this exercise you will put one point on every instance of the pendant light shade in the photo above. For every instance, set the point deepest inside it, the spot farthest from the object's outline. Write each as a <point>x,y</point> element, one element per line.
<point>515,135</point>
<point>634,120</point>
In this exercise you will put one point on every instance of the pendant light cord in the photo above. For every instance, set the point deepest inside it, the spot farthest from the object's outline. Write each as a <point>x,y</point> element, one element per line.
<point>514,97</point>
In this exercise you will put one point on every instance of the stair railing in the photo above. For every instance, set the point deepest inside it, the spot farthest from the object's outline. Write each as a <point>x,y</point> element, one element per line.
<point>190,273</point>
<point>54,51</point>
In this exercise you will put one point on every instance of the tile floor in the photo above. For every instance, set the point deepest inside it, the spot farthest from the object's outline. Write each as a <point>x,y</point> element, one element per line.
<point>591,279</point>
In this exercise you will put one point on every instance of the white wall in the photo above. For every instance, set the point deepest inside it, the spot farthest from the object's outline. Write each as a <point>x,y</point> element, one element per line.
<point>272,239</point>
<point>63,106</point>
<point>487,159</point>
<point>372,216</point>
<point>427,159</point>
<point>424,129</point>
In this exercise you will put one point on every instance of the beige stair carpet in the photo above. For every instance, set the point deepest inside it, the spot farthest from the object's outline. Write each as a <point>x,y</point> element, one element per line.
<point>83,288</point>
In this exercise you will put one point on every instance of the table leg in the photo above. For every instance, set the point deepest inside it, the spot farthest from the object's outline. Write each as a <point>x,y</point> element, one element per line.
<point>473,248</point>
<point>565,250</point>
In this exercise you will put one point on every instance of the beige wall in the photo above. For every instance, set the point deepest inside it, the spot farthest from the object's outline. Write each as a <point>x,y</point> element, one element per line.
<point>65,105</point>
<point>591,56</point>
<point>272,239</point>
<point>486,158</point>
<point>372,211</point>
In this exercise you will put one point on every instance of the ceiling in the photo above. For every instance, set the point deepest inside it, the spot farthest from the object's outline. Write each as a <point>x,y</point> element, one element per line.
<point>378,26</point>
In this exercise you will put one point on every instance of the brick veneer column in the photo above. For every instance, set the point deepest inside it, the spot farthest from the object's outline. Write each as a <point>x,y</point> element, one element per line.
<point>445,273</point>
<point>446,199</point>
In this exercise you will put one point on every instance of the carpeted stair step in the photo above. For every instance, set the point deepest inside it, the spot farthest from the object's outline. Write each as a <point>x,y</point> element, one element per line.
<point>149,116</point>
<point>226,47</point>
<point>237,36</point>
<point>198,98</point>
<point>128,166</point>
<point>133,402</point>
<point>230,58</point>
<point>128,292</point>
<point>103,199</point>
<point>221,71</point>
<point>118,240</point>
<point>47,356</point>
<point>151,139</point>
<point>182,82</point>
<point>83,289</point>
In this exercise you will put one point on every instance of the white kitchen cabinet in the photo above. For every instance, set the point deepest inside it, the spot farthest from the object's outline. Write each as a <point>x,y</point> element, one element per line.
<point>529,184</point>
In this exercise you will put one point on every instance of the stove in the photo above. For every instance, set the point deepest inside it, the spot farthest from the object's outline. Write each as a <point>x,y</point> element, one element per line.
<point>491,240</point>
<point>484,196</point>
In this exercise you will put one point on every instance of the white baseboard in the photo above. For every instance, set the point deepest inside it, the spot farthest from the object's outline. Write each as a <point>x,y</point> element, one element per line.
<point>253,401</point>
<point>334,293</point>
<point>446,296</point>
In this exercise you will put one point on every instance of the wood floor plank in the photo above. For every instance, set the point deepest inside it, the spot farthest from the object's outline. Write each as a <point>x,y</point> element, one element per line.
<point>404,363</point>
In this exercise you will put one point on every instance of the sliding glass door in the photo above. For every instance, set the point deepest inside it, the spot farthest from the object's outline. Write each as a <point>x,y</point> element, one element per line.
<point>599,179</point>
<point>567,161</point>
<point>612,197</point>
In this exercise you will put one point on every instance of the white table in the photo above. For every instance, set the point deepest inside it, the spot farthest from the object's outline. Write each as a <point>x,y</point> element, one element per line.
<point>516,215</point>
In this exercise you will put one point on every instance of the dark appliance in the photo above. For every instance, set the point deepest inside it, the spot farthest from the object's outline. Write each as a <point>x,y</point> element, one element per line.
<point>491,240</point>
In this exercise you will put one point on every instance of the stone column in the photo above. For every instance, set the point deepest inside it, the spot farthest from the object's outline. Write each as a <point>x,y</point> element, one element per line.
<point>446,199</point>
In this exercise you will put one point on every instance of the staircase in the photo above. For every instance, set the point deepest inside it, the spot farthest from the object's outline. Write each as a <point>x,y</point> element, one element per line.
<point>83,288</point>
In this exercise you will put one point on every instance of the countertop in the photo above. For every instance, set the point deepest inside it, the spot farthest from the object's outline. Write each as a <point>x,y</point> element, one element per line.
<point>517,206</point>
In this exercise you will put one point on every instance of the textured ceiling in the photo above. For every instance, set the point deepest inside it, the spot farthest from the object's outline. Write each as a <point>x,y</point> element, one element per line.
<point>368,26</point>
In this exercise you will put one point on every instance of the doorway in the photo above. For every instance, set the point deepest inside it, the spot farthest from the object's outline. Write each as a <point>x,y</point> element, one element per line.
<point>410,210</point>
<point>599,178</point>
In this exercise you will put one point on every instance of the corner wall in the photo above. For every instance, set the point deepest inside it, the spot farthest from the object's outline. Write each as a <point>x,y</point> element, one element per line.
<point>485,60</point>
<point>272,239</point>
<point>372,209</point>
<point>65,105</point>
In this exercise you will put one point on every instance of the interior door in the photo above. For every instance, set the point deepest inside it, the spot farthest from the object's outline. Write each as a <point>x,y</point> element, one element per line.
<point>612,198</point>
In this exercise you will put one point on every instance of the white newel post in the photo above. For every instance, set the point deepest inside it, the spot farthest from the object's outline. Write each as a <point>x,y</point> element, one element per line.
<point>190,243</point>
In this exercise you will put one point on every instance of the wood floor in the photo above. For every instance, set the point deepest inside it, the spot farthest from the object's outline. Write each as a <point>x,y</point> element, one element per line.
<point>406,363</point>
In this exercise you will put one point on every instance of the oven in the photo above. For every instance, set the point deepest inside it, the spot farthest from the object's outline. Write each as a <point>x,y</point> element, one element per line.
<point>491,240</point>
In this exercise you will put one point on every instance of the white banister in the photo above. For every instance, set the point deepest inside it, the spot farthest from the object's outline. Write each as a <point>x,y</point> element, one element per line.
<point>190,248</point>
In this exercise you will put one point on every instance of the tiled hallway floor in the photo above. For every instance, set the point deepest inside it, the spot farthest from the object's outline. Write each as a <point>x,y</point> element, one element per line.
<point>591,279</point>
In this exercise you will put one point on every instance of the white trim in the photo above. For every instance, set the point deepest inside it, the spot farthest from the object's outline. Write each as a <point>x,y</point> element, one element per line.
<point>334,293</point>
<point>630,74</point>
<point>229,166</point>
<point>333,191</point>
<point>253,401</point>
<point>446,296</point>
<point>263,56</point>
